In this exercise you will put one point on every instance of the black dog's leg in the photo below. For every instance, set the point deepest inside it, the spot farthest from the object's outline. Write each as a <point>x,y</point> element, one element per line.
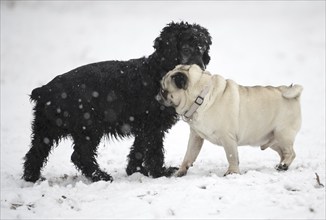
<point>84,158</point>
<point>147,155</point>
<point>136,157</point>
<point>42,142</point>
<point>154,155</point>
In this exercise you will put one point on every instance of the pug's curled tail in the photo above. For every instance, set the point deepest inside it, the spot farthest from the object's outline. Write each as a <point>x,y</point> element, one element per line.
<point>292,91</point>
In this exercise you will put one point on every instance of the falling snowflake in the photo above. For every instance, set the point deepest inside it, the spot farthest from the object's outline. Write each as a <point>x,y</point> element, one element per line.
<point>126,128</point>
<point>46,140</point>
<point>64,95</point>
<point>111,97</point>
<point>95,94</point>
<point>87,115</point>
<point>138,155</point>
<point>58,122</point>
<point>65,114</point>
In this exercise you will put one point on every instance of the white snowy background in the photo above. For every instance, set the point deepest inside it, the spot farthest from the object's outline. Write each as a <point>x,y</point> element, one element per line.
<point>254,42</point>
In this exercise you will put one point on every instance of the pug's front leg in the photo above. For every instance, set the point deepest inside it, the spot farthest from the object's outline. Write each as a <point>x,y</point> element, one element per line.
<point>231,150</point>
<point>195,143</point>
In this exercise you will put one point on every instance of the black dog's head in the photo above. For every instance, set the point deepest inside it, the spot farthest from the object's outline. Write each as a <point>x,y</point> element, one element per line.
<point>183,43</point>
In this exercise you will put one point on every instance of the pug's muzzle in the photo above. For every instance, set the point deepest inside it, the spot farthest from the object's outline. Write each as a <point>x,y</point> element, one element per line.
<point>161,97</point>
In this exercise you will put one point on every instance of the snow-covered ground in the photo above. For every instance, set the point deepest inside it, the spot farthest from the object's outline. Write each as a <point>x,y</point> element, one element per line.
<point>254,42</point>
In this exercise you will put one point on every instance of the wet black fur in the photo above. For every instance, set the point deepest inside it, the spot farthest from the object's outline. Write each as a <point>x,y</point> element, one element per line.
<point>116,99</point>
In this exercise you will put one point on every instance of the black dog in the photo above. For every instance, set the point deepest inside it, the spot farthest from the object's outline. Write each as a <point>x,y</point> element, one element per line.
<point>117,99</point>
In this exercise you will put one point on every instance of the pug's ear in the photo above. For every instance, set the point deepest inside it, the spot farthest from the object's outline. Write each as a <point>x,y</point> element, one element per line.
<point>180,80</point>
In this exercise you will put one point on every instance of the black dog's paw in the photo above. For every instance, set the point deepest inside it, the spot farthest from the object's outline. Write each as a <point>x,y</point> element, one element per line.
<point>170,171</point>
<point>99,175</point>
<point>165,171</point>
<point>282,167</point>
<point>31,177</point>
<point>134,169</point>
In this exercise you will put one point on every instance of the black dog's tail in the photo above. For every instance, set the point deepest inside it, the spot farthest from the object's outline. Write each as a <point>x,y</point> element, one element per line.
<point>37,94</point>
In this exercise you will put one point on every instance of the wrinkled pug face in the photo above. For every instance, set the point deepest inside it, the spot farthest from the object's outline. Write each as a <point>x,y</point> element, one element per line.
<point>174,87</point>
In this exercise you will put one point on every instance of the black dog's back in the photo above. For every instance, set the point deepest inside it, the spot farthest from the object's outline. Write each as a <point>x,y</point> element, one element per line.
<point>98,93</point>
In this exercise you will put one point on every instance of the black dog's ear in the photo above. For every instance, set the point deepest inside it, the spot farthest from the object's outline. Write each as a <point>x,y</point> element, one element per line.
<point>180,80</point>
<point>167,49</point>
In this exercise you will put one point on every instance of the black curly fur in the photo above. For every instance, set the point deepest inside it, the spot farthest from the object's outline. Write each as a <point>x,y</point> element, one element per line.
<point>117,99</point>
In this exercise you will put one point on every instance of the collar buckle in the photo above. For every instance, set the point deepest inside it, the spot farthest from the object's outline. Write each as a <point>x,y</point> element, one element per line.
<point>199,100</point>
<point>197,103</point>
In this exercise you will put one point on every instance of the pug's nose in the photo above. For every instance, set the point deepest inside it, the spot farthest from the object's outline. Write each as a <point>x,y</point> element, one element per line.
<point>161,96</point>
<point>164,93</point>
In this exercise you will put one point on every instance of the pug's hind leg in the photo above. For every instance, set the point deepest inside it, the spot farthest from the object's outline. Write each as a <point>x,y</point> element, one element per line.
<point>195,144</point>
<point>285,141</point>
